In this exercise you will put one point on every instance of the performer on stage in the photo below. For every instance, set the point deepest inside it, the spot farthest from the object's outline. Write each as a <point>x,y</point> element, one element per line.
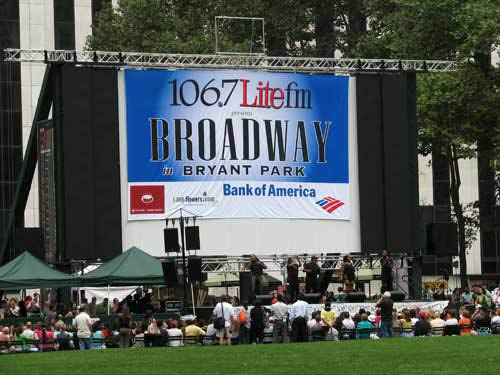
<point>387,264</point>
<point>312,272</point>
<point>347,274</point>
<point>292,280</point>
<point>256,268</point>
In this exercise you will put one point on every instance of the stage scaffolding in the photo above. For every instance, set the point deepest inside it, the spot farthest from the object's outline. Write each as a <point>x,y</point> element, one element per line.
<point>233,61</point>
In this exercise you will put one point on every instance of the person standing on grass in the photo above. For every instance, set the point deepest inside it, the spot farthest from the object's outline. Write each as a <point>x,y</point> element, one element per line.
<point>280,315</point>
<point>125,325</point>
<point>385,305</point>
<point>257,316</point>
<point>299,315</point>
<point>225,310</point>
<point>83,327</point>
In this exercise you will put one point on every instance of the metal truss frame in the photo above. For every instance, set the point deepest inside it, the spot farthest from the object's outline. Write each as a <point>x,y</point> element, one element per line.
<point>278,262</point>
<point>232,61</point>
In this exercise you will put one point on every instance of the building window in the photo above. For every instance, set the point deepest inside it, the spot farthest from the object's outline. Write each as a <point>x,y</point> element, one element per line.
<point>64,24</point>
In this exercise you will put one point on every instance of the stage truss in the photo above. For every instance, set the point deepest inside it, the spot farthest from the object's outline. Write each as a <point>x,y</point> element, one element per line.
<point>232,61</point>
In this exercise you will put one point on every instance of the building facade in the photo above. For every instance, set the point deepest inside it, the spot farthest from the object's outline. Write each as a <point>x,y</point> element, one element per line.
<point>65,24</point>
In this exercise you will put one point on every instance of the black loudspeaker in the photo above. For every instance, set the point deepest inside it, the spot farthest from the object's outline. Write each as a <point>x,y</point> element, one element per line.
<point>170,273</point>
<point>194,269</point>
<point>442,239</point>
<point>171,238</point>
<point>356,297</point>
<point>192,238</point>
<point>245,287</point>
<point>30,239</point>
<point>397,296</point>
<point>312,297</point>
<point>325,278</point>
<point>265,299</point>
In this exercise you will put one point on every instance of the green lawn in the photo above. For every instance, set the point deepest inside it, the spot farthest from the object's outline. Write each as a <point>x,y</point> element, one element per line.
<point>432,355</point>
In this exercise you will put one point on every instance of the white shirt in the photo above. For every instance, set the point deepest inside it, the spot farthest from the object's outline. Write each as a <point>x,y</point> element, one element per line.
<point>451,322</point>
<point>211,330</point>
<point>300,309</point>
<point>437,323</point>
<point>348,324</point>
<point>495,319</point>
<point>279,310</point>
<point>228,312</point>
<point>174,332</point>
<point>83,322</point>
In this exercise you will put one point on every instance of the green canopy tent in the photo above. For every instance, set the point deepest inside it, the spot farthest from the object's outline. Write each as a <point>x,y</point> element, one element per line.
<point>133,267</point>
<point>27,271</point>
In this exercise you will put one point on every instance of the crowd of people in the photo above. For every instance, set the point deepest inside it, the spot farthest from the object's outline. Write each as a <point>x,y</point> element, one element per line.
<point>277,323</point>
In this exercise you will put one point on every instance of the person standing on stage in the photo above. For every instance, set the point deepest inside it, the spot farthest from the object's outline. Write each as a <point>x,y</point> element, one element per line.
<point>256,268</point>
<point>347,273</point>
<point>293,278</point>
<point>387,264</point>
<point>312,272</point>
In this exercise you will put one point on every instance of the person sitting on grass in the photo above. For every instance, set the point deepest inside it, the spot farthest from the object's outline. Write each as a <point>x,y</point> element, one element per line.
<point>64,339</point>
<point>437,324</point>
<point>315,326</point>
<point>138,338</point>
<point>174,334</point>
<point>21,341</point>
<point>465,323</point>
<point>451,327</point>
<point>5,340</point>
<point>406,324</point>
<point>422,326</point>
<point>481,319</point>
<point>192,332</point>
<point>45,336</point>
<point>97,337</point>
<point>364,328</point>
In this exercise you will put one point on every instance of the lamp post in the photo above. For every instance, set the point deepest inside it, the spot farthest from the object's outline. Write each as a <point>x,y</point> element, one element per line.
<point>183,248</point>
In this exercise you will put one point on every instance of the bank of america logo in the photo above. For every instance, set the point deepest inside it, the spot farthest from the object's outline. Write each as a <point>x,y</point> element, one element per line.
<point>329,204</point>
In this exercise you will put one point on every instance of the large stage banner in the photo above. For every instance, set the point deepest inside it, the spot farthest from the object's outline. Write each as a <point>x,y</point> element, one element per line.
<point>237,144</point>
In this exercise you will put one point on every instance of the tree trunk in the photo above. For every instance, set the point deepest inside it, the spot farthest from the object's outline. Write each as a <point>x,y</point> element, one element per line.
<point>459,213</point>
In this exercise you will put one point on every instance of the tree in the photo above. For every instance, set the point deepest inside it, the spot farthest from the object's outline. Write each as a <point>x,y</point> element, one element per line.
<point>457,113</point>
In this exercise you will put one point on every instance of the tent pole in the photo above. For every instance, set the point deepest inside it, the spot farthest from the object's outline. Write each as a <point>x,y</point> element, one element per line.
<point>192,299</point>
<point>108,299</point>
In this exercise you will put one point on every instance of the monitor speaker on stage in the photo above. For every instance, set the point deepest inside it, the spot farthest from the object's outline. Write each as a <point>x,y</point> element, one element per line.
<point>397,296</point>
<point>171,239</point>
<point>192,238</point>
<point>169,268</point>
<point>265,299</point>
<point>312,297</point>
<point>246,287</point>
<point>194,269</point>
<point>356,297</point>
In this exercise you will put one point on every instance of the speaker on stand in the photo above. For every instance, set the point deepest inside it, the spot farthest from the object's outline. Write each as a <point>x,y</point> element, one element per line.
<point>169,268</point>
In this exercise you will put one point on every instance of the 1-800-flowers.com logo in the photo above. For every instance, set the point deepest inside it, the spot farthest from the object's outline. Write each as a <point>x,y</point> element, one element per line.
<point>194,199</point>
<point>147,199</point>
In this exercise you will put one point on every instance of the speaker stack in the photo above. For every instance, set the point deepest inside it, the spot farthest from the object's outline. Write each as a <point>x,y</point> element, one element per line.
<point>169,268</point>
<point>171,240</point>
<point>246,286</point>
<point>194,269</point>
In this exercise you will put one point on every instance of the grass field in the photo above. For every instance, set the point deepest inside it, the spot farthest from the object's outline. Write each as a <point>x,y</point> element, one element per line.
<point>432,355</point>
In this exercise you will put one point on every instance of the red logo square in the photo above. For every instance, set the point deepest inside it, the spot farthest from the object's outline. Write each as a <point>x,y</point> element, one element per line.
<point>148,199</point>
